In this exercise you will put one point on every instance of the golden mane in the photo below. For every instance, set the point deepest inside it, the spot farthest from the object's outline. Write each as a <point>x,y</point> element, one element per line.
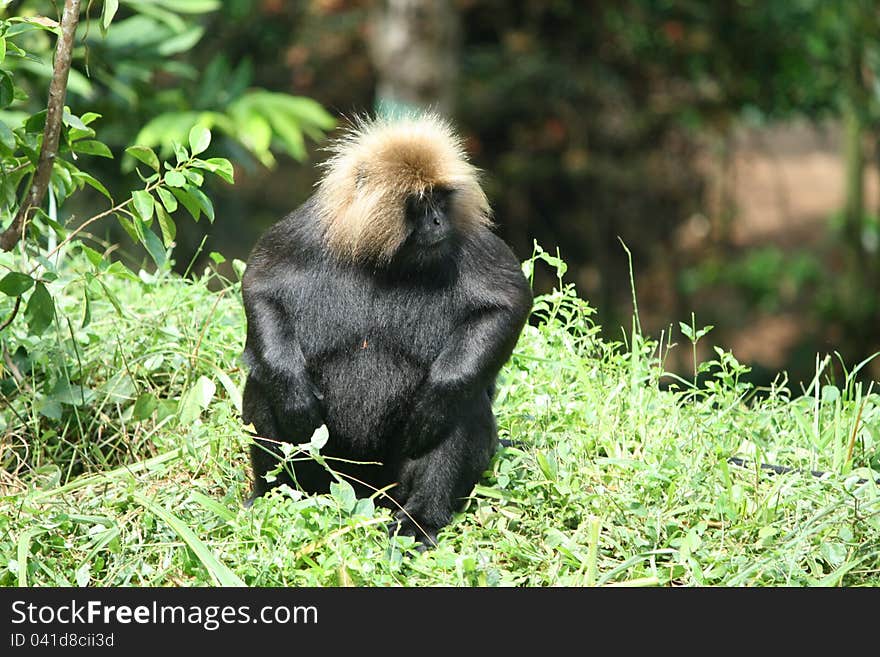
<point>375,166</point>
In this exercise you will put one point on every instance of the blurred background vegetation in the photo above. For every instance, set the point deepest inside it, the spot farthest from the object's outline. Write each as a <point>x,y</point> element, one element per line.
<point>732,145</point>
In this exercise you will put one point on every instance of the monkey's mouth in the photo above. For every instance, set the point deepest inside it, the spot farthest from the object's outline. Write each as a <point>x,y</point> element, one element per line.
<point>433,242</point>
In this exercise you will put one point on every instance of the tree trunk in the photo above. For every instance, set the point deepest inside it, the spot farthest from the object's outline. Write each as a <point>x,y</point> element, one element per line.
<point>854,117</point>
<point>855,193</point>
<point>51,133</point>
<point>414,46</point>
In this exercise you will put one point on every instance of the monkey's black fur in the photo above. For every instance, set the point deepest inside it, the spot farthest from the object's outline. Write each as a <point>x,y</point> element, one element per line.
<point>398,359</point>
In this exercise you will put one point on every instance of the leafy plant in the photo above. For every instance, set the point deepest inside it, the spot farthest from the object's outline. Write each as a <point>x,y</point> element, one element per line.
<point>42,151</point>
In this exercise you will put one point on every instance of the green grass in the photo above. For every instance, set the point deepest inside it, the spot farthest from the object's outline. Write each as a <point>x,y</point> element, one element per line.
<point>123,462</point>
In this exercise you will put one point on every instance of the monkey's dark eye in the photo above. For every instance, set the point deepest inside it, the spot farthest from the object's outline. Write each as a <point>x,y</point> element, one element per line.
<point>414,207</point>
<point>442,197</point>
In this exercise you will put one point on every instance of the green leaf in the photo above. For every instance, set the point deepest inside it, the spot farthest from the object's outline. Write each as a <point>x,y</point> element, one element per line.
<point>14,284</point>
<point>50,408</point>
<point>308,111</point>
<point>218,258</point>
<point>2,49</point>
<point>203,201</point>
<point>7,138</point>
<point>219,166</point>
<point>175,179</point>
<point>288,130</point>
<point>111,297</point>
<point>166,225</point>
<point>256,134</point>
<point>92,182</point>
<point>144,154</point>
<point>213,505</point>
<point>133,228</point>
<point>223,168</point>
<point>547,465</point>
<point>230,387</point>
<point>194,177</point>
<point>196,399</point>
<point>109,11</point>
<point>78,134</point>
<point>143,204</point>
<point>168,199</point>
<point>344,494</point>
<point>7,192</point>
<point>40,310</point>
<point>188,201</point>
<point>83,575</point>
<point>365,507</point>
<point>94,257</point>
<point>182,42</point>
<point>91,147</point>
<point>74,121</point>
<point>72,394</point>
<point>86,309</point>
<point>180,153</point>
<point>154,247</point>
<point>36,123</point>
<point>190,6</point>
<point>7,89</point>
<point>319,438</point>
<point>199,139</point>
<point>144,406</point>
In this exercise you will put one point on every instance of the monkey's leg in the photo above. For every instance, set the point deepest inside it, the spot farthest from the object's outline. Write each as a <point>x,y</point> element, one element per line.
<point>302,472</point>
<point>432,486</point>
<point>257,410</point>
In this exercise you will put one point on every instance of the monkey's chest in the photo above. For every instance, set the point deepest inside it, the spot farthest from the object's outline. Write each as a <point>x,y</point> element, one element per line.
<point>367,385</point>
<point>377,327</point>
<point>369,358</point>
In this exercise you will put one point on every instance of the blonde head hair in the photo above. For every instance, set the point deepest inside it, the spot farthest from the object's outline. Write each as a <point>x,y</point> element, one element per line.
<point>376,166</point>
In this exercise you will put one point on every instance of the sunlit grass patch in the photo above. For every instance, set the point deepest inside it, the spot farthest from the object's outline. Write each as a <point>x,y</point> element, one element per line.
<point>617,473</point>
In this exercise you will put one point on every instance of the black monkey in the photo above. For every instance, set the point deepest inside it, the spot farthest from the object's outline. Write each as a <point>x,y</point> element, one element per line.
<point>384,307</point>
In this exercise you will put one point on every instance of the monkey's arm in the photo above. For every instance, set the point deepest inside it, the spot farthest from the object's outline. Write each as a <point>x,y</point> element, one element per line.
<point>465,368</point>
<point>276,360</point>
<point>475,352</point>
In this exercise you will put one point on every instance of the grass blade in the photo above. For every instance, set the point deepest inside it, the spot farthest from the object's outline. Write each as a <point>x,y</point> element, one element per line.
<point>219,572</point>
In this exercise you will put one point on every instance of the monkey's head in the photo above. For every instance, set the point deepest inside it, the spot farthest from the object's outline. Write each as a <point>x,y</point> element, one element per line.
<point>399,188</point>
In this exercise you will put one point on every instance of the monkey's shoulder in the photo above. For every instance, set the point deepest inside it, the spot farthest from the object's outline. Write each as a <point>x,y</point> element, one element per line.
<point>490,270</point>
<point>298,232</point>
<point>288,248</point>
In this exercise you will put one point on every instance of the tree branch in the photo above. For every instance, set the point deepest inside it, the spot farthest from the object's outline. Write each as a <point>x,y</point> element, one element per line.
<point>54,114</point>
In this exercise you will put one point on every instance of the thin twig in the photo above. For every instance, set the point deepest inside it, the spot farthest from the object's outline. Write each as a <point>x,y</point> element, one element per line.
<point>12,315</point>
<point>52,132</point>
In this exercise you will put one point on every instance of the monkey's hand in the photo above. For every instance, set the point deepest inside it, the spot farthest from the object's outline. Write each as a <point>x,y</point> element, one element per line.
<point>299,404</point>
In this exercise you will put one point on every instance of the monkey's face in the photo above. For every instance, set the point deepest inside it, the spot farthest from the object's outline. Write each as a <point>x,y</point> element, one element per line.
<point>430,229</point>
<point>427,218</point>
